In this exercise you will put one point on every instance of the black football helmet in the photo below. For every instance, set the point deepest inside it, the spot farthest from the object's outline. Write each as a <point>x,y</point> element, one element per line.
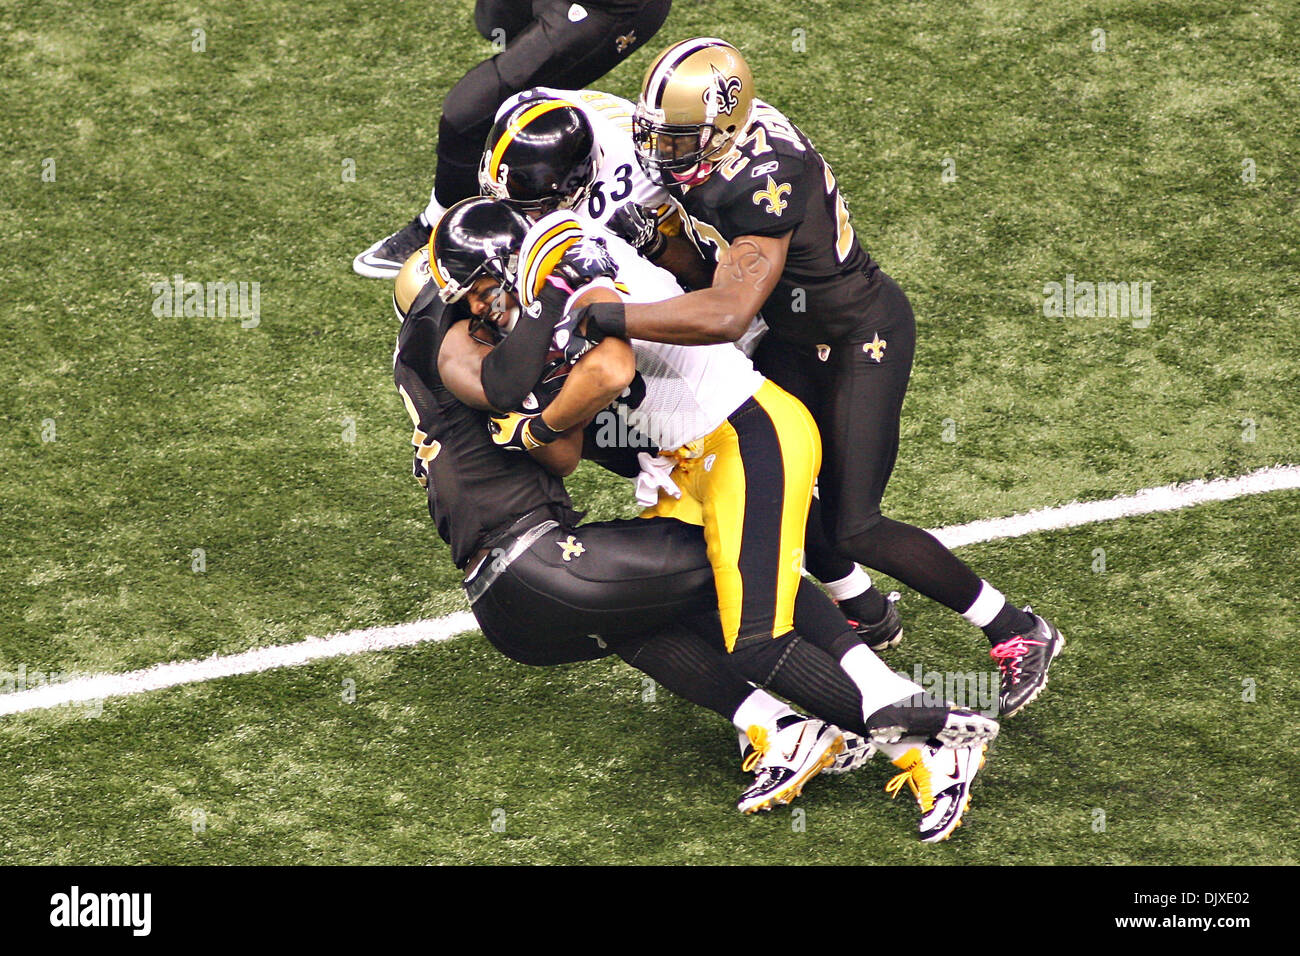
<point>475,238</point>
<point>542,155</point>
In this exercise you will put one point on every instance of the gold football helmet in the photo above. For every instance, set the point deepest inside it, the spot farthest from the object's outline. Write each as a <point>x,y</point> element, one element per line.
<point>694,104</point>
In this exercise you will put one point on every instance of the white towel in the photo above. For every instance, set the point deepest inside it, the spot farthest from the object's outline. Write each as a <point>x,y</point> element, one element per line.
<point>655,470</point>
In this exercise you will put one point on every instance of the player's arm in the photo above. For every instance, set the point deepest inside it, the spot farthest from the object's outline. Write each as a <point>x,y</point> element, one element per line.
<point>598,377</point>
<point>561,456</point>
<point>744,278</point>
<point>684,261</point>
<point>460,363</point>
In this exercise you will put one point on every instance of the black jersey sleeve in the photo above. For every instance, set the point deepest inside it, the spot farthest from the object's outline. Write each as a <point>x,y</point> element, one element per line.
<point>767,196</point>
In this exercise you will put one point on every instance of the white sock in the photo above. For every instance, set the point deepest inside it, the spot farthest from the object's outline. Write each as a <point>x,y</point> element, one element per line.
<point>986,606</point>
<point>432,212</point>
<point>878,685</point>
<point>760,708</point>
<point>894,751</point>
<point>851,585</point>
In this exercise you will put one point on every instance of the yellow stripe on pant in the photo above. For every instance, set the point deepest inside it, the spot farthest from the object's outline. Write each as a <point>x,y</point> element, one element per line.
<point>749,483</point>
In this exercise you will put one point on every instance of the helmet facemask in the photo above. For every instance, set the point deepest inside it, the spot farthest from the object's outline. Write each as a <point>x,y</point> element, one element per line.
<point>675,154</point>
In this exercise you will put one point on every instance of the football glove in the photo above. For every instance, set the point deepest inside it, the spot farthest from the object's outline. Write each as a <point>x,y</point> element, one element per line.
<point>638,226</point>
<point>585,262</point>
<point>518,431</point>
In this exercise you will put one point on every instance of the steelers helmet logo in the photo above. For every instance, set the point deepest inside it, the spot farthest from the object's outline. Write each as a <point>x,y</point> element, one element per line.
<point>722,95</point>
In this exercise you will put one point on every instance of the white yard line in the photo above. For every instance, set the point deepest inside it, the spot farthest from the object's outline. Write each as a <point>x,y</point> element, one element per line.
<point>99,686</point>
<point>1146,501</point>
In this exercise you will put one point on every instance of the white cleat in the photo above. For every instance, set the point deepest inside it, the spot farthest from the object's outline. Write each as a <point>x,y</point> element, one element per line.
<point>940,779</point>
<point>785,761</point>
<point>966,728</point>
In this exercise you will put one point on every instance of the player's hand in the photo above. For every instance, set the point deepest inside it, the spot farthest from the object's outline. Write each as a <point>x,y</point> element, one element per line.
<point>569,340</point>
<point>587,261</point>
<point>638,226</point>
<point>520,431</point>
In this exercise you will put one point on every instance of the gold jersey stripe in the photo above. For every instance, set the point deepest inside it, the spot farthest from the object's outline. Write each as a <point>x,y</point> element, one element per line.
<point>544,255</point>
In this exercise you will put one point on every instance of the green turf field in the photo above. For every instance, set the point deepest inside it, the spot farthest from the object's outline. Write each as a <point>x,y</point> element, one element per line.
<point>986,150</point>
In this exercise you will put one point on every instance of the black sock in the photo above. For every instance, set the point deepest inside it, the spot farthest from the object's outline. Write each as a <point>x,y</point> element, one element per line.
<point>805,675</point>
<point>866,608</point>
<point>690,667</point>
<point>918,559</point>
<point>820,557</point>
<point>821,623</point>
<point>1009,622</point>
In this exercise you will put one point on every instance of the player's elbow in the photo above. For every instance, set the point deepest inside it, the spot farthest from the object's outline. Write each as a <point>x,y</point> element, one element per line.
<point>612,368</point>
<point>504,396</point>
<point>734,325</point>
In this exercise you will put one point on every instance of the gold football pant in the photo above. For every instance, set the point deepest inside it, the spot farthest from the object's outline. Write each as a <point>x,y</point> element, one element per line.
<point>749,482</point>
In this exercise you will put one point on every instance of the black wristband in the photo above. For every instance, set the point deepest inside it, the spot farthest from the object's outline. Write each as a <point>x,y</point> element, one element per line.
<point>654,249</point>
<point>609,317</point>
<point>541,432</point>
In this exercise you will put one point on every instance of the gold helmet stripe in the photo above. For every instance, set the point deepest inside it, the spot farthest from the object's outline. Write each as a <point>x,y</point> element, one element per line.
<point>544,246</point>
<point>661,71</point>
<point>515,127</point>
<point>439,274</point>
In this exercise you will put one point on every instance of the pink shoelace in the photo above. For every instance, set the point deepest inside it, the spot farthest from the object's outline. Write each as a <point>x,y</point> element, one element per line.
<point>1010,652</point>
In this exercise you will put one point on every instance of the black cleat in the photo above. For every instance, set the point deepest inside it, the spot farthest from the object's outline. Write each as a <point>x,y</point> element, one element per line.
<point>1023,660</point>
<point>884,633</point>
<point>949,725</point>
<point>385,258</point>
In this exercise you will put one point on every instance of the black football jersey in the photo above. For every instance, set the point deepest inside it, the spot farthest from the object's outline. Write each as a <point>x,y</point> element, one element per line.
<point>776,182</point>
<point>475,488</point>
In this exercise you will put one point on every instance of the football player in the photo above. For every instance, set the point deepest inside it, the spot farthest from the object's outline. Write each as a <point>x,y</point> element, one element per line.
<point>572,149</point>
<point>718,482</point>
<point>759,199</point>
<point>556,42</point>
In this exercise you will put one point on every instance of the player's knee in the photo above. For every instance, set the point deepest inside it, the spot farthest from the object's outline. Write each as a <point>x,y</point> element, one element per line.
<point>474,99</point>
<point>862,544</point>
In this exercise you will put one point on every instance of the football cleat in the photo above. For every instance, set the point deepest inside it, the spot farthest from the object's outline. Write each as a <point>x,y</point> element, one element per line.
<point>385,258</point>
<point>940,779</point>
<point>786,760</point>
<point>857,751</point>
<point>1023,660</point>
<point>951,726</point>
<point>883,634</point>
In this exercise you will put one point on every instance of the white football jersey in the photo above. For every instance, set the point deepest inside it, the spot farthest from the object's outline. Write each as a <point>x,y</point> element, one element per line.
<point>689,389</point>
<point>619,178</point>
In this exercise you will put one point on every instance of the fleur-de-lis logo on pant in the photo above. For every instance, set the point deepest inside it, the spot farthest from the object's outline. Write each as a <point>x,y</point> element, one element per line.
<point>875,348</point>
<point>572,547</point>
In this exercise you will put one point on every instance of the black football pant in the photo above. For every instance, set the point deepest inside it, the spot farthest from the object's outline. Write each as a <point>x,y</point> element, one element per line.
<point>644,589</point>
<point>543,47</point>
<point>856,395</point>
